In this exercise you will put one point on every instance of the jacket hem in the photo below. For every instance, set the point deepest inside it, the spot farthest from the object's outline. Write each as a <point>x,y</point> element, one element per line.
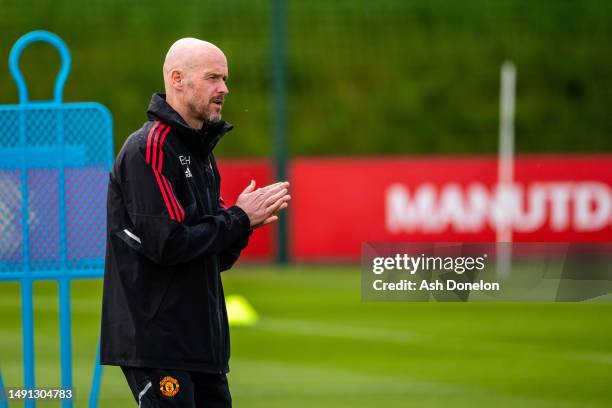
<point>165,364</point>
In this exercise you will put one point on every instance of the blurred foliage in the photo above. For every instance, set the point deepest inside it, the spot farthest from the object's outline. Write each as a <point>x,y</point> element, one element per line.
<point>384,77</point>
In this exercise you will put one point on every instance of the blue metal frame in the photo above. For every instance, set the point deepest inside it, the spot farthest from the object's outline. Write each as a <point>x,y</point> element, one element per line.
<point>60,157</point>
<point>62,49</point>
<point>3,401</point>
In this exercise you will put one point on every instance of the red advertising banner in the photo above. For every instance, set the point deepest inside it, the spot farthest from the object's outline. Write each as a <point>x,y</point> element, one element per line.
<point>339,202</point>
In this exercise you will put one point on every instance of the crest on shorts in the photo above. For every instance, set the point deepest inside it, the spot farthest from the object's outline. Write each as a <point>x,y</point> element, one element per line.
<point>169,386</point>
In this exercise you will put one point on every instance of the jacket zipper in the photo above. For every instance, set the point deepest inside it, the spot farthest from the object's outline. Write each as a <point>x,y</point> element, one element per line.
<point>212,186</point>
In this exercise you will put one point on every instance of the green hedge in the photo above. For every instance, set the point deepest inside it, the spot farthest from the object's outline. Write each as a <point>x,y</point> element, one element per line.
<point>383,77</point>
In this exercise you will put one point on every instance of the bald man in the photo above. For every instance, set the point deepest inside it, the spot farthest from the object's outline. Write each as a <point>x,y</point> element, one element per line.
<point>169,237</point>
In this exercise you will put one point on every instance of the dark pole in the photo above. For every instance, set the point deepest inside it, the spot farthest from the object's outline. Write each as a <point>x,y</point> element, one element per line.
<point>279,113</point>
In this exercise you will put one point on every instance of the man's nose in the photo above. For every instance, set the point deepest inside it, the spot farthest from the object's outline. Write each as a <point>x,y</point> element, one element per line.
<point>224,89</point>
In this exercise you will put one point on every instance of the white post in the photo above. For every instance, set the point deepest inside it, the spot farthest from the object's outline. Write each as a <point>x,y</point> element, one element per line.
<point>505,170</point>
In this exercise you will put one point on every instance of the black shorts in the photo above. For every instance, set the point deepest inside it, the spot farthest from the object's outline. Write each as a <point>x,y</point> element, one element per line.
<point>159,388</point>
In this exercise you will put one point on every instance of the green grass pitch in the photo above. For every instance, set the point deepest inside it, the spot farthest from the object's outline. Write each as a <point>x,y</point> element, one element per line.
<point>317,345</point>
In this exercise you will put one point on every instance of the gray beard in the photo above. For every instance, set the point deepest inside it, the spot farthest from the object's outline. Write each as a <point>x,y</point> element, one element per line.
<point>214,118</point>
<point>205,116</point>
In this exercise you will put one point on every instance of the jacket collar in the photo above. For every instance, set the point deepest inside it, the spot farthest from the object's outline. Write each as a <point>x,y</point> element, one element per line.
<point>205,138</point>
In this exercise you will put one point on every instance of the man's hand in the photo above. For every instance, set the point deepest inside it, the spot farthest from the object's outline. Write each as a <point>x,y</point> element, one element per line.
<point>262,205</point>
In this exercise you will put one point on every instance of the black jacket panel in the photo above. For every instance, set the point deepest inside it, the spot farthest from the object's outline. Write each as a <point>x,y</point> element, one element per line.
<point>168,239</point>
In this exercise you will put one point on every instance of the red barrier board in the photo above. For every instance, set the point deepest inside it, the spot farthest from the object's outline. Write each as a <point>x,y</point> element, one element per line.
<point>339,202</point>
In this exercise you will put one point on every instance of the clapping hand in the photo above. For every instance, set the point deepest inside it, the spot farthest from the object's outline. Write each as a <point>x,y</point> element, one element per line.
<point>262,205</point>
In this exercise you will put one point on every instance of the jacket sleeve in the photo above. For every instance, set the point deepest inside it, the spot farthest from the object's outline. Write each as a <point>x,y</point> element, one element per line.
<point>229,256</point>
<point>157,215</point>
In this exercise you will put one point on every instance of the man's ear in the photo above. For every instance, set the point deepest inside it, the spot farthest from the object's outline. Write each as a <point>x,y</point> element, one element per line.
<point>177,78</point>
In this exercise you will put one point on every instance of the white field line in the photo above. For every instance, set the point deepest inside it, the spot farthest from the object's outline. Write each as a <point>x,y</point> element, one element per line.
<point>385,335</point>
<point>308,379</point>
<point>353,332</point>
<point>335,330</point>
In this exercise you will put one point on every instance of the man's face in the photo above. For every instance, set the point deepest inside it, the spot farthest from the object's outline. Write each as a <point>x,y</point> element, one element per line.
<point>206,89</point>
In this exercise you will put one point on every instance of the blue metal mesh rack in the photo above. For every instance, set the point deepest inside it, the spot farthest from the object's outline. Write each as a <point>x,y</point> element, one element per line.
<point>54,162</point>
